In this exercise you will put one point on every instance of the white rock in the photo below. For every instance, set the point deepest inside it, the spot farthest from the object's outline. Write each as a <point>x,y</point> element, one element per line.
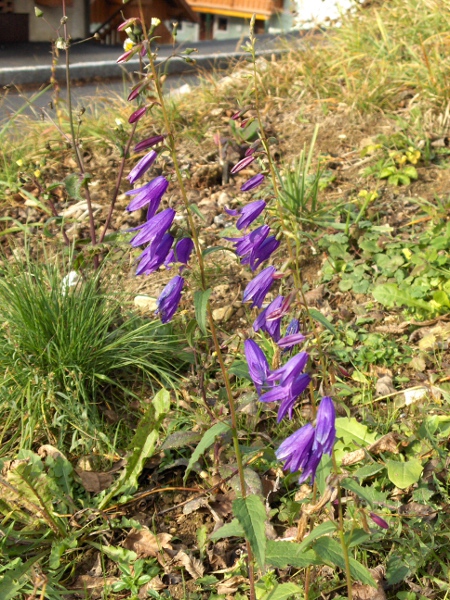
<point>146,302</point>
<point>222,314</point>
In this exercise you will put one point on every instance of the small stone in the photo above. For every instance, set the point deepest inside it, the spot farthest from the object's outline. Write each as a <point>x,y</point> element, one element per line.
<point>222,314</point>
<point>223,199</point>
<point>146,303</point>
<point>220,220</point>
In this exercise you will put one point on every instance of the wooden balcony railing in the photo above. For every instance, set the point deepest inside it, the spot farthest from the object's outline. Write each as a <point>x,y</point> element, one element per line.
<point>260,7</point>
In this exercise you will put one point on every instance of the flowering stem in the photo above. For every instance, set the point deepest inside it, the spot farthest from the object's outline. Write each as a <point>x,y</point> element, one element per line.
<point>348,576</point>
<point>76,150</point>
<point>118,182</point>
<point>212,327</point>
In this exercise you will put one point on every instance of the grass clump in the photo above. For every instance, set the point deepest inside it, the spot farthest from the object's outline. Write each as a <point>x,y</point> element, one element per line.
<point>67,353</point>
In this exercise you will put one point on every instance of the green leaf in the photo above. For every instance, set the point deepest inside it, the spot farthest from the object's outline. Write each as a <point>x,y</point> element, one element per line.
<point>441,298</point>
<point>179,439</point>
<point>410,172</point>
<point>331,552</point>
<point>206,441</point>
<point>318,316</point>
<point>212,249</point>
<point>72,183</point>
<point>200,306</point>
<point>251,514</point>
<point>115,553</point>
<point>142,447</point>
<point>161,403</point>
<point>284,554</point>
<point>282,591</point>
<point>15,579</point>
<point>390,295</point>
<point>404,474</point>
<point>233,529</point>
<point>352,431</point>
<point>195,209</point>
<point>368,470</point>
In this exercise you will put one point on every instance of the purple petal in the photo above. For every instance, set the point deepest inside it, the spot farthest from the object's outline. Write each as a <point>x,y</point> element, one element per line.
<point>291,369</point>
<point>252,183</point>
<point>249,213</point>
<point>156,227</point>
<point>296,449</point>
<point>258,287</point>
<point>149,143</point>
<point>325,425</point>
<point>289,341</point>
<point>154,256</point>
<point>137,114</point>
<point>378,520</point>
<point>142,166</point>
<point>151,194</point>
<point>169,299</point>
<point>258,367</point>
<point>263,251</point>
<point>242,164</point>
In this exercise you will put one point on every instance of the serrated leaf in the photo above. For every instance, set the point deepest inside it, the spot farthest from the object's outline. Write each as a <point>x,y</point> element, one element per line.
<point>251,514</point>
<point>142,447</point>
<point>283,554</point>
<point>390,295</point>
<point>233,529</point>
<point>331,552</point>
<point>179,439</point>
<point>206,441</point>
<point>201,299</point>
<point>318,316</point>
<point>404,474</point>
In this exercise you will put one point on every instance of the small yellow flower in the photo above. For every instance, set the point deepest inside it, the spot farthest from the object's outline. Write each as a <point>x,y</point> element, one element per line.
<point>407,253</point>
<point>37,173</point>
<point>19,162</point>
<point>155,22</point>
<point>128,45</point>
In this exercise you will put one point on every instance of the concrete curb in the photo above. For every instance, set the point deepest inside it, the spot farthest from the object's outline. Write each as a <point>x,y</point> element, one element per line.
<point>41,74</point>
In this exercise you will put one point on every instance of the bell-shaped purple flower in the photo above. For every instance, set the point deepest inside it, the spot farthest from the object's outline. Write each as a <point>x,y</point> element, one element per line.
<point>242,164</point>
<point>261,252</point>
<point>263,321</point>
<point>155,227</point>
<point>252,183</point>
<point>291,369</point>
<point>258,367</point>
<point>258,287</point>
<point>140,112</point>
<point>245,244</point>
<point>169,299</point>
<point>142,166</point>
<point>325,425</point>
<point>154,255</point>
<point>286,393</point>
<point>181,254</point>
<point>378,520</point>
<point>296,449</point>
<point>248,213</point>
<point>150,193</point>
<point>149,143</point>
<point>289,341</point>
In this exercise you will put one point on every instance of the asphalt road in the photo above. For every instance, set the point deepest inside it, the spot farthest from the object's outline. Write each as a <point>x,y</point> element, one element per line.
<point>12,101</point>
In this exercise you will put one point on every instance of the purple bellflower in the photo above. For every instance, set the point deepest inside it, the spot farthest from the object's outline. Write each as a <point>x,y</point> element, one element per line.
<point>154,255</point>
<point>258,366</point>
<point>180,254</point>
<point>258,287</point>
<point>270,326</point>
<point>289,341</point>
<point>287,392</point>
<point>156,227</point>
<point>248,213</point>
<point>150,193</point>
<point>378,520</point>
<point>242,164</point>
<point>169,299</point>
<point>304,448</point>
<point>252,183</point>
<point>291,369</point>
<point>261,252</point>
<point>149,143</point>
<point>140,112</point>
<point>245,244</point>
<point>142,166</point>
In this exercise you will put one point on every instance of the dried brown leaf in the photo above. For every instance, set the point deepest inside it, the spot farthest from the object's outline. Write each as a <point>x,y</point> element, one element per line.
<point>192,565</point>
<point>384,386</point>
<point>230,586</point>
<point>154,584</point>
<point>95,481</point>
<point>145,543</point>
<point>49,450</point>
<point>95,585</point>
<point>367,592</point>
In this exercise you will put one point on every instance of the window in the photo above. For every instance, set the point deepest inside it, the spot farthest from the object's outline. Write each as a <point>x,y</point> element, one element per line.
<point>222,24</point>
